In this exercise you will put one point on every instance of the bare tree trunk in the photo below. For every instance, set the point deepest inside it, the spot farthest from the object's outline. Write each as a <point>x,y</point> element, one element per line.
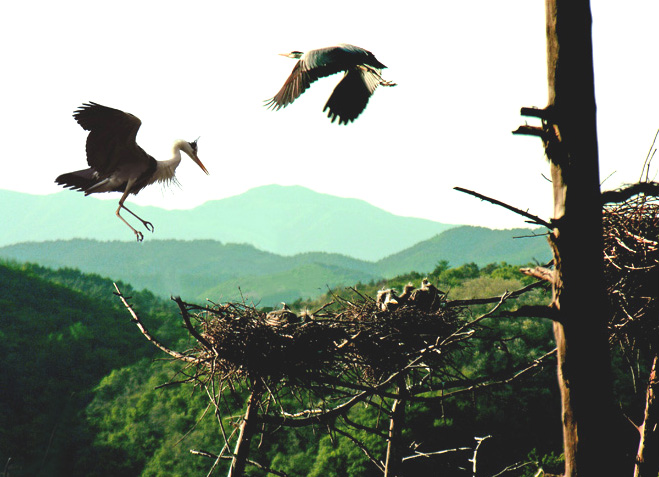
<point>241,452</point>
<point>647,458</point>
<point>584,374</point>
<point>394,447</point>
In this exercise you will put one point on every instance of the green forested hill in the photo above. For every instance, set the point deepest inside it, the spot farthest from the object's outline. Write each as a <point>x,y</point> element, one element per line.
<point>82,393</point>
<point>467,244</point>
<point>60,333</point>
<point>200,269</point>
<point>203,269</point>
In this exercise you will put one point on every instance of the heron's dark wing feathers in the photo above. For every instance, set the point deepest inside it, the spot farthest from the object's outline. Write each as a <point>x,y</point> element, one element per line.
<point>82,180</point>
<point>94,116</point>
<point>351,95</point>
<point>296,84</point>
<point>313,65</point>
<point>111,140</point>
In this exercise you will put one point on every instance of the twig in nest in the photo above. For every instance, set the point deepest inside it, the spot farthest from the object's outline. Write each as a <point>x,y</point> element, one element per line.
<point>625,193</point>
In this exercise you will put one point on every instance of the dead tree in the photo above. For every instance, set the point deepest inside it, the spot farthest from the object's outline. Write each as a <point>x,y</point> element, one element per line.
<point>569,134</point>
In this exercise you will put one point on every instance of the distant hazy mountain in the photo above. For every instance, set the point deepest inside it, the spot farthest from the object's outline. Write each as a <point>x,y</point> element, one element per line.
<point>200,269</point>
<point>278,219</point>
<point>470,244</point>
<point>203,269</point>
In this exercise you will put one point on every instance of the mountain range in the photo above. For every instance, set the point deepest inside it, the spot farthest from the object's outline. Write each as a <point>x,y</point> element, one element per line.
<point>270,244</point>
<point>202,269</point>
<point>285,220</point>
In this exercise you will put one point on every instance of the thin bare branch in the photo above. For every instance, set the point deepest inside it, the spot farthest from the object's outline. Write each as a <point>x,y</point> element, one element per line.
<point>494,299</point>
<point>148,336</point>
<point>527,130</point>
<point>363,448</point>
<point>487,381</point>
<point>188,325</point>
<point>541,273</point>
<point>209,455</point>
<point>534,219</point>
<point>417,454</point>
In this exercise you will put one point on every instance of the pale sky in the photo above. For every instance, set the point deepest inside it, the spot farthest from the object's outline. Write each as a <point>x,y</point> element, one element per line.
<point>204,68</point>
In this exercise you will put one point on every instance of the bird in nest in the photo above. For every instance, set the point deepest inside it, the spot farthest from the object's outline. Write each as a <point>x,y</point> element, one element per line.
<point>281,317</point>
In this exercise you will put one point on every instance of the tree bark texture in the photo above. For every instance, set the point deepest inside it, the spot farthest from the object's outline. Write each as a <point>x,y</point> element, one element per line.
<point>241,451</point>
<point>394,458</point>
<point>647,458</point>
<point>584,374</point>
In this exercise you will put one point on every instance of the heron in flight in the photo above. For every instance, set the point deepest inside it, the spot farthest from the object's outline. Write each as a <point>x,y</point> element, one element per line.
<point>116,162</point>
<point>362,76</point>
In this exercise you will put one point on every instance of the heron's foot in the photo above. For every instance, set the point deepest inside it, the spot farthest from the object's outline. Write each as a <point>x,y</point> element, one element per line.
<point>149,226</point>
<point>387,83</point>
<point>139,235</point>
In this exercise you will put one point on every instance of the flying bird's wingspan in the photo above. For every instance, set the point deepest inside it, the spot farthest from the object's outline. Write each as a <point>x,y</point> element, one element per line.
<point>112,135</point>
<point>296,84</point>
<point>351,95</point>
<point>313,65</point>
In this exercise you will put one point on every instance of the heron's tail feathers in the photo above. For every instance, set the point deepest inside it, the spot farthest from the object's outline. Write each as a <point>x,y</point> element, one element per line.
<point>82,180</point>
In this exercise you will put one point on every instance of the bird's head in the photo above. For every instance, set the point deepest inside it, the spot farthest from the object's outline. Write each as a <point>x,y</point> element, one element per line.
<point>190,148</point>
<point>296,55</point>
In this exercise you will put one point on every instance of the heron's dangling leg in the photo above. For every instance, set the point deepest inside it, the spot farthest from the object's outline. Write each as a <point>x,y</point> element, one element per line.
<point>147,225</point>
<point>138,234</point>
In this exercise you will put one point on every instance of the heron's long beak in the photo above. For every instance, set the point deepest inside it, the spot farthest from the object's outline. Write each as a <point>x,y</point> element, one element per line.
<point>199,163</point>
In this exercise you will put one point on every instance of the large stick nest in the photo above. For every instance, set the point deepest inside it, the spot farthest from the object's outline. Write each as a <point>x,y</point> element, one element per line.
<point>631,261</point>
<point>363,337</point>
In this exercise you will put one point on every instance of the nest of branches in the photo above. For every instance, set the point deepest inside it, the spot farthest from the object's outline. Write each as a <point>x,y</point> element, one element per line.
<point>386,340</point>
<point>361,339</point>
<point>239,341</point>
<point>631,252</point>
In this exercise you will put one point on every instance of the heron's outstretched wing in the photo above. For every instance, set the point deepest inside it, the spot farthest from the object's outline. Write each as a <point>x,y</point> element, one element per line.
<point>81,180</point>
<point>351,95</point>
<point>111,140</point>
<point>313,65</point>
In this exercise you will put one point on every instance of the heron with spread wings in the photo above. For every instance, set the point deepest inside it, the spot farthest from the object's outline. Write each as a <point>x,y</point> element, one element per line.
<point>363,74</point>
<point>116,162</point>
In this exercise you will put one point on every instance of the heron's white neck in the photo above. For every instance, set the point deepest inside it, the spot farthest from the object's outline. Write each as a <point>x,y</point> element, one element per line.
<point>166,170</point>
